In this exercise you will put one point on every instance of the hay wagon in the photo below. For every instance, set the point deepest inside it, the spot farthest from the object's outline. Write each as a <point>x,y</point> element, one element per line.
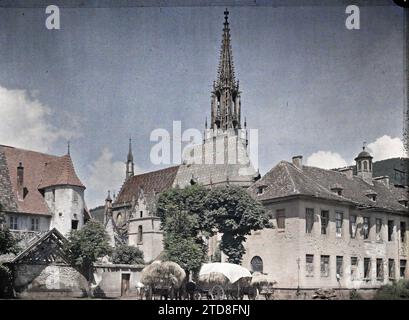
<point>220,281</point>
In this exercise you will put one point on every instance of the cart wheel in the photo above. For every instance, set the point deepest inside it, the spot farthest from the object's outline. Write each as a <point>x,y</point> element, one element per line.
<point>197,296</point>
<point>217,293</point>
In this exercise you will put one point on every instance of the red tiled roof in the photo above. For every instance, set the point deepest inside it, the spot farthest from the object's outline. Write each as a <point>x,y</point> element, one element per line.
<point>39,169</point>
<point>150,182</point>
<point>60,172</point>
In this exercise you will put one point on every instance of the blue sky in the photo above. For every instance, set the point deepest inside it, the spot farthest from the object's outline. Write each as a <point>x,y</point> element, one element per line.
<point>309,85</point>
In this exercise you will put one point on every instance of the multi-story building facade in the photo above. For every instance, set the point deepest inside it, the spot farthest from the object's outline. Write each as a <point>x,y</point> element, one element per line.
<point>331,229</point>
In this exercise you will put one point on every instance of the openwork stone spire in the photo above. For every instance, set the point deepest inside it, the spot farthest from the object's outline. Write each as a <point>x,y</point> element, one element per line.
<point>225,72</point>
<point>129,162</point>
<point>225,106</point>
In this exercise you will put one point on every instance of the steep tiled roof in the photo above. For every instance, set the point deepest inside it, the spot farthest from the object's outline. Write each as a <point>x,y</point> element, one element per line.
<point>285,179</point>
<point>150,183</point>
<point>60,172</point>
<point>40,170</point>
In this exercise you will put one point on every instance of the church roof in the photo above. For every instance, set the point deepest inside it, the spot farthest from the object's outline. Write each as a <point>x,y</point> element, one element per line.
<point>148,183</point>
<point>285,180</point>
<point>40,170</point>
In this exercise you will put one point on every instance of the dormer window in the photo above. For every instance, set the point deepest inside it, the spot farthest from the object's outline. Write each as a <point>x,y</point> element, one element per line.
<point>371,195</point>
<point>261,189</point>
<point>403,202</point>
<point>337,189</point>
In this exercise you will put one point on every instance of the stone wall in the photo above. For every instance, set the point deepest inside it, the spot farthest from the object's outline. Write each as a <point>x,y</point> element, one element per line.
<point>48,281</point>
<point>109,280</point>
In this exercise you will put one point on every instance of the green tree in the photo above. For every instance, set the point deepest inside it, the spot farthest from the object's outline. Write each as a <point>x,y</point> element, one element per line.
<point>181,212</point>
<point>8,244</point>
<point>85,246</point>
<point>124,254</point>
<point>231,211</point>
<point>196,212</point>
<point>189,253</point>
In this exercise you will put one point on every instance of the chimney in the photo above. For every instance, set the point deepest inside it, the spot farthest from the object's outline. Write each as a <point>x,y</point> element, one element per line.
<point>384,180</point>
<point>20,182</point>
<point>297,161</point>
<point>348,171</point>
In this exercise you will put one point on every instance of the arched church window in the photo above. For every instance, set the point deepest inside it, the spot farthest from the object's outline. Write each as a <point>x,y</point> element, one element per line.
<point>140,234</point>
<point>119,218</point>
<point>359,165</point>
<point>256,264</point>
<point>365,166</point>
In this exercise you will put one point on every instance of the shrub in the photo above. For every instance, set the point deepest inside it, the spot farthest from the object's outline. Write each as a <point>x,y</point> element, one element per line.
<point>125,254</point>
<point>397,291</point>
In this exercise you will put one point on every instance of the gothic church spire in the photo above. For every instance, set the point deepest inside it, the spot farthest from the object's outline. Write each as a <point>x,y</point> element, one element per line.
<point>226,105</point>
<point>129,162</point>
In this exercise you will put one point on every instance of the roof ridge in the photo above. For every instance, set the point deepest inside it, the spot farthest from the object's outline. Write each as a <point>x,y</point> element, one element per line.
<point>28,150</point>
<point>286,163</point>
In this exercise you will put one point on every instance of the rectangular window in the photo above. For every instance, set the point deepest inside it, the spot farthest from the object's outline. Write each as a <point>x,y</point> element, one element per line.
<point>390,230</point>
<point>391,269</point>
<point>35,224</point>
<point>367,268</point>
<point>402,268</point>
<point>402,231</point>
<point>309,265</point>
<point>379,269</point>
<point>74,224</point>
<point>366,227</point>
<point>309,220</point>
<point>280,216</point>
<point>13,223</point>
<point>354,268</point>
<point>378,229</point>
<point>352,226</point>
<point>324,266</point>
<point>339,216</point>
<point>324,221</point>
<point>340,266</point>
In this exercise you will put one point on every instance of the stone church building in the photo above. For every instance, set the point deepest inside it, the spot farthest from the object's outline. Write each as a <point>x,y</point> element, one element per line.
<point>221,159</point>
<point>341,228</point>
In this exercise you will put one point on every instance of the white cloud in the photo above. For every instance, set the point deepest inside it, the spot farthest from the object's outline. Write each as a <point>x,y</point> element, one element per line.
<point>105,174</point>
<point>386,147</point>
<point>326,160</point>
<point>25,122</point>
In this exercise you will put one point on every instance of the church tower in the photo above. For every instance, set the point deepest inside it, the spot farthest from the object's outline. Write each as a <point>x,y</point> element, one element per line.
<point>225,103</point>
<point>129,162</point>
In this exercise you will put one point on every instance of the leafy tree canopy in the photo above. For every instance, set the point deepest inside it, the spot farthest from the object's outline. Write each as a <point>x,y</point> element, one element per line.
<point>194,212</point>
<point>189,253</point>
<point>231,211</point>
<point>125,254</point>
<point>86,245</point>
<point>8,243</point>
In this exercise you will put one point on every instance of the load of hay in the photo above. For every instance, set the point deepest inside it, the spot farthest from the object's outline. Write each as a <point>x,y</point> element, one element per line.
<point>165,274</point>
<point>262,280</point>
